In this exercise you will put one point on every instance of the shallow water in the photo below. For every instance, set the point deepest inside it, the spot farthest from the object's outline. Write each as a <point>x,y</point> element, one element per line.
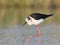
<point>16,35</point>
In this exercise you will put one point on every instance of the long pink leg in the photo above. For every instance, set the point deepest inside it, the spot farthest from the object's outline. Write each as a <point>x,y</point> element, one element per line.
<point>38,28</point>
<point>35,35</point>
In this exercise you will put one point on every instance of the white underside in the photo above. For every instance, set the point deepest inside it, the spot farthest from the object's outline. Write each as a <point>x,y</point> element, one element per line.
<point>33,21</point>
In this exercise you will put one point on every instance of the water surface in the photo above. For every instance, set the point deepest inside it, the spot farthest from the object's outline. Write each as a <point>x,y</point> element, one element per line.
<point>16,35</point>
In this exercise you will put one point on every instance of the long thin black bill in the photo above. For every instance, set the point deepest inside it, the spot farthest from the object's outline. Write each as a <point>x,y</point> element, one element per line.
<point>24,23</point>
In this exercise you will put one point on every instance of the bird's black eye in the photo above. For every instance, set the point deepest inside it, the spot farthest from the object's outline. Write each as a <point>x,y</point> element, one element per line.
<point>28,18</point>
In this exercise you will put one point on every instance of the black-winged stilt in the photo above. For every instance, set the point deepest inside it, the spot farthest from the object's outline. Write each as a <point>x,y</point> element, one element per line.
<point>36,19</point>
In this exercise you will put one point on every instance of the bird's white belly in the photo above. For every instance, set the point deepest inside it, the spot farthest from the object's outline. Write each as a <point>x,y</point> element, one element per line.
<point>36,22</point>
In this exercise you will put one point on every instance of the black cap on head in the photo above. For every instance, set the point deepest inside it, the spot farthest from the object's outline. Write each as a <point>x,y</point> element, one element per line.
<point>24,23</point>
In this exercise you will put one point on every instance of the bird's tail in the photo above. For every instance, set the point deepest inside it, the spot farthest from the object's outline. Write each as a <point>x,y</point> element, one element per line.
<point>50,15</point>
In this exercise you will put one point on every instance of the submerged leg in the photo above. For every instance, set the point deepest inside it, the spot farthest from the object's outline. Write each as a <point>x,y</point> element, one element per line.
<point>33,36</point>
<point>30,37</point>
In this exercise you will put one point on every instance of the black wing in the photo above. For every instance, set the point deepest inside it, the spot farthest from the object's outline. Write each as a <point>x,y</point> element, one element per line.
<point>38,16</point>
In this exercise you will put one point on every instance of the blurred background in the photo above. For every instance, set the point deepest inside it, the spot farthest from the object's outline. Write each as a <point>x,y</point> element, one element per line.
<point>12,17</point>
<point>14,12</point>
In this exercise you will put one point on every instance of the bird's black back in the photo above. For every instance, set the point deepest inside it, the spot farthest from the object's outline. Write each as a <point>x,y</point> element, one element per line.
<point>38,16</point>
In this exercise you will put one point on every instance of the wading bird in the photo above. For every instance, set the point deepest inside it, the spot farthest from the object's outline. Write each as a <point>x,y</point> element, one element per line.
<point>36,19</point>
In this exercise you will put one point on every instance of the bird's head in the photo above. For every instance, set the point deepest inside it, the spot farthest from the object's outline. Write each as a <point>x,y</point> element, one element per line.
<point>28,21</point>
